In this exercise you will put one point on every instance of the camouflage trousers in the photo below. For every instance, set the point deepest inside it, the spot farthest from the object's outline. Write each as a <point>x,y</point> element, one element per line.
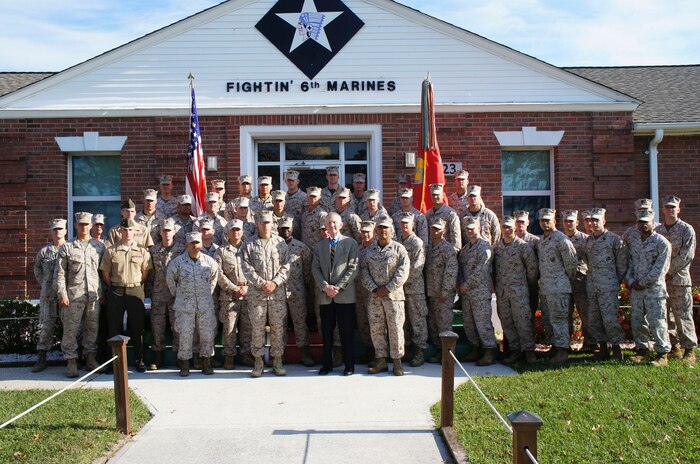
<point>555,315</point>
<point>416,325</point>
<point>48,314</point>
<point>230,313</point>
<point>361,302</point>
<point>681,328</point>
<point>296,307</point>
<point>649,315</point>
<point>317,313</point>
<point>513,306</point>
<point>476,315</point>
<point>439,317</point>
<point>190,320</point>
<point>579,300</point>
<point>83,312</point>
<point>214,330</point>
<point>603,310</point>
<point>161,313</point>
<point>275,313</point>
<point>386,317</point>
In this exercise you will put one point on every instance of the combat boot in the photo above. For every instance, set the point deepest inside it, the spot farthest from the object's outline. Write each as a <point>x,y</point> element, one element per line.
<point>488,358</point>
<point>641,356</point>
<point>676,352</point>
<point>513,357</point>
<point>380,365</point>
<point>247,360</point>
<point>473,355</point>
<point>398,368</point>
<point>436,358</point>
<point>418,358</point>
<point>617,353</point>
<point>40,362</point>
<point>91,362</point>
<point>560,358</point>
<point>277,367</point>
<point>602,353</point>
<point>337,356</point>
<point>689,356</point>
<point>72,371</point>
<point>306,358</point>
<point>660,360</point>
<point>196,361</point>
<point>184,367</point>
<point>228,363</point>
<point>206,366</point>
<point>157,361</point>
<point>530,357</point>
<point>258,366</point>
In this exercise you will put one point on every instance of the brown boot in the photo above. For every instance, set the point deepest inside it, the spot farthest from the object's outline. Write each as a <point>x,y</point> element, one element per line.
<point>72,368</point>
<point>418,358</point>
<point>277,367</point>
<point>258,367</point>
<point>488,358</point>
<point>40,362</point>
<point>207,369</point>
<point>306,358</point>
<point>228,363</point>
<point>602,353</point>
<point>337,356</point>
<point>676,352</point>
<point>247,360</point>
<point>436,358</point>
<point>157,361</point>
<point>617,353</point>
<point>473,355</point>
<point>660,360</point>
<point>560,357</point>
<point>641,356</point>
<point>689,356</point>
<point>530,357</point>
<point>184,367</point>
<point>380,365</point>
<point>398,368</point>
<point>91,362</point>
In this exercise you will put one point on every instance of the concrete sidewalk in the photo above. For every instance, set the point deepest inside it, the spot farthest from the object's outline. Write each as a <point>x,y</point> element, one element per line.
<point>300,418</point>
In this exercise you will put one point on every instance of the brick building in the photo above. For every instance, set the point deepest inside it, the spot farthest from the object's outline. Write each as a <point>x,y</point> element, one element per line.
<point>344,92</point>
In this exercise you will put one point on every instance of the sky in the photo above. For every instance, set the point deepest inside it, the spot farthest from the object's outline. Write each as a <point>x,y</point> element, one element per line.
<point>51,35</point>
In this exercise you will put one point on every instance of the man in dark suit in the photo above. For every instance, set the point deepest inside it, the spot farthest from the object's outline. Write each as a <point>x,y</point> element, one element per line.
<point>334,269</point>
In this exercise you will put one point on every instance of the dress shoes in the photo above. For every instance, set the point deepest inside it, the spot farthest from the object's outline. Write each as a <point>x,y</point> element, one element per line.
<point>347,372</point>
<point>324,370</point>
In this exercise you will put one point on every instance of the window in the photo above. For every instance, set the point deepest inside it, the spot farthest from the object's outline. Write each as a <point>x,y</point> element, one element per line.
<point>95,186</point>
<point>527,183</point>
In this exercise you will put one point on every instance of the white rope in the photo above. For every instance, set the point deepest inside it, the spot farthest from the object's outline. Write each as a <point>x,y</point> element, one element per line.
<point>505,424</point>
<point>57,393</point>
<point>529,455</point>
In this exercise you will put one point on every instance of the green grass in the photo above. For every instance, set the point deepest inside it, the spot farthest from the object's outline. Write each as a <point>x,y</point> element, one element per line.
<point>77,426</point>
<point>592,413</point>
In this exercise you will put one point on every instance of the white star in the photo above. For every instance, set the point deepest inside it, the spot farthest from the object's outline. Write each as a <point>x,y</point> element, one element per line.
<point>310,24</point>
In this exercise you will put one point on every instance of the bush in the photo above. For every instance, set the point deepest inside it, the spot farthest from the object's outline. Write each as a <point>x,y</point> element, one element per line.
<point>19,326</point>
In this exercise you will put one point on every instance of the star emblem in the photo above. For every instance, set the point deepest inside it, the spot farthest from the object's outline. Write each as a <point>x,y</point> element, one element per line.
<point>309,38</point>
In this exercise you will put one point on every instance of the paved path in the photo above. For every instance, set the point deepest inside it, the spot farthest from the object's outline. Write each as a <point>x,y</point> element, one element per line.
<point>300,418</point>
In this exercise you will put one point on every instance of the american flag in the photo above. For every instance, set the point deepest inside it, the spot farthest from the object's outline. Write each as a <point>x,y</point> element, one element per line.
<point>196,182</point>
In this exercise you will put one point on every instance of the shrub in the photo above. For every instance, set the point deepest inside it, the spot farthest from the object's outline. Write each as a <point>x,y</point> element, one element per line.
<point>19,326</point>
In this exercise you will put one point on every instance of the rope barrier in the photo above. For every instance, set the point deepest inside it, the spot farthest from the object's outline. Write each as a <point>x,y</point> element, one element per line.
<point>469,377</point>
<point>57,393</point>
<point>18,318</point>
<point>529,455</point>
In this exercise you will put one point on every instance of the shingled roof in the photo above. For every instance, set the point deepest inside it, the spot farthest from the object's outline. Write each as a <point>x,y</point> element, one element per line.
<point>11,81</point>
<point>669,94</point>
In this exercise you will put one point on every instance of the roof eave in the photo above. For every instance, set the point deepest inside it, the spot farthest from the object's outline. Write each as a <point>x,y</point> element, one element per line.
<point>670,128</point>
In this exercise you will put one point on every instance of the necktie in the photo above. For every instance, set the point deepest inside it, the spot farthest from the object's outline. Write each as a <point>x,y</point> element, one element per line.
<point>333,244</point>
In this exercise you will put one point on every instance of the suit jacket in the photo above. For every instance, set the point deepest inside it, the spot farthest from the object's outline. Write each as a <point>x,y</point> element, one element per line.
<point>343,272</point>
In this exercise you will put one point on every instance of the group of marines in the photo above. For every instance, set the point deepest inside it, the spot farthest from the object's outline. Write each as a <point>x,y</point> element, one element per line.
<point>246,264</point>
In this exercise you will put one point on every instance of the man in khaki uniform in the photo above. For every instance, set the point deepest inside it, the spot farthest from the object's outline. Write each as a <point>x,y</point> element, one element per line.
<point>125,267</point>
<point>78,285</point>
<point>440,210</point>
<point>141,235</point>
<point>459,201</point>
<point>167,202</point>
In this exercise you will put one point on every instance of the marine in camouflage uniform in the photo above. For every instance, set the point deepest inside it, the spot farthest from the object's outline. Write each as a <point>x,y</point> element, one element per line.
<point>150,217</point>
<point>440,210</point>
<point>192,277</point>
<point>351,221</point>
<point>459,200</point>
<point>359,184</point>
<point>488,222</point>
<point>650,260</point>
<point>296,201</point>
<point>242,213</point>
<point>266,268</point>
<point>44,266</point>
<point>514,270</point>
<point>263,202</point>
<point>166,203</point>
<point>206,227</point>
<point>414,290</point>
<point>441,269</point>
<point>385,271</point>
<point>79,288</point>
<point>329,193</point>
<point>557,265</point>
<point>184,219</point>
<point>362,294</point>
<point>475,285</point>
<point>402,182</point>
<point>606,260</point>
<point>522,221</point>
<point>420,224</point>
<point>681,235</point>
<point>162,303</point>
<point>312,218</point>
<point>579,295</point>
<point>218,222</point>
<point>244,189</point>
<point>374,211</point>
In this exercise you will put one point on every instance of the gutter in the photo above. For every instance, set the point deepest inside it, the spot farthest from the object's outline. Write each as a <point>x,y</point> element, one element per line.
<point>654,170</point>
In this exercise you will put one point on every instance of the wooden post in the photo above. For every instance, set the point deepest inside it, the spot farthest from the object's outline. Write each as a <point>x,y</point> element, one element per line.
<point>525,426</point>
<point>449,343</point>
<point>121,383</point>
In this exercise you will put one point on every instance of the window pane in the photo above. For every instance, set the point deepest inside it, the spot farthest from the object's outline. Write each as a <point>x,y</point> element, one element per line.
<point>526,170</point>
<point>355,151</point>
<point>97,176</point>
<point>111,210</point>
<point>311,178</point>
<point>272,171</point>
<point>351,169</point>
<point>532,204</point>
<point>268,152</point>
<point>308,151</point>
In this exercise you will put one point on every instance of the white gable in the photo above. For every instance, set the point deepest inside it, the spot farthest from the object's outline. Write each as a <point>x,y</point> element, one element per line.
<point>395,49</point>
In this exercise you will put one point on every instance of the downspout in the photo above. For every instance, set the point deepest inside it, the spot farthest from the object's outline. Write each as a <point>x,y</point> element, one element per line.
<point>654,170</point>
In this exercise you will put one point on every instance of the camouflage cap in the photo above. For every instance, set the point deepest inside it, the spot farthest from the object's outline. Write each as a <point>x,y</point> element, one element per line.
<point>671,200</point>
<point>291,175</point>
<point>474,190</point>
<point>285,221</point>
<point>193,237</point>
<point>245,179</point>
<point>586,214</point>
<point>643,203</point>
<point>332,170</point>
<point>150,194</point>
<point>522,215</point>
<point>597,213</point>
<point>278,195</point>
<point>437,223</point>
<point>359,177</point>
<point>508,221</point>
<point>206,223</point>
<point>98,219</point>
<point>128,204</point>
<point>344,192</point>
<point>58,224</point>
<point>436,189</point>
<point>234,224</point>
<point>242,202</point>
<point>166,179</point>
<point>167,224</point>
<point>184,200</point>
<point>402,179</point>
<point>218,183</point>
<point>264,216</point>
<point>645,216</point>
<point>470,222</point>
<point>406,193</point>
<point>313,191</point>
<point>212,197</point>
<point>127,223</point>
<point>264,180</point>
<point>463,174</point>
<point>406,216</point>
<point>372,194</point>
<point>83,218</point>
<point>385,222</point>
<point>367,226</point>
<point>547,213</point>
<point>569,215</point>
